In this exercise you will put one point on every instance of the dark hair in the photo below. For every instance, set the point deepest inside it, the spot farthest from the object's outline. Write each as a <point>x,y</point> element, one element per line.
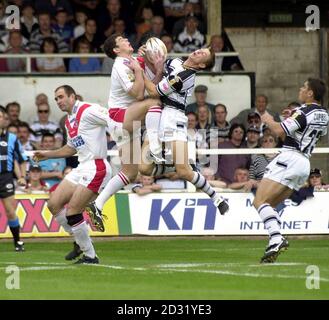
<point>220,105</point>
<point>294,104</point>
<point>24,124</point>
<point>233,127</point>
<point>110,44</point>
<point>50,40</point>
<point>195,114</point>
<point>47,134</point>
<point>14,103</point>
<point>44,13</point>
<point>3,110</point>
<point>68,89</point>
<point>83,41</point>
<point>318,87</point>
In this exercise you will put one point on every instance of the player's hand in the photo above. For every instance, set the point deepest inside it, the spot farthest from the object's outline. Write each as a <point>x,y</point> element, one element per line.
<point>158,60</point>
<point>21,182</point>
<point>141,50</point>
<point>267,118</point>
<point>133,64</point>
<point>39,156</point>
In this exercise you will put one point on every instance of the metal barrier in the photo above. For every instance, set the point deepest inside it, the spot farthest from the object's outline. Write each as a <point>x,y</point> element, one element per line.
<point>30,56</point>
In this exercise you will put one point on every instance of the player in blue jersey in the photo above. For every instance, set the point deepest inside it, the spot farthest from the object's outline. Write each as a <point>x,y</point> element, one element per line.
<point>10,150</point>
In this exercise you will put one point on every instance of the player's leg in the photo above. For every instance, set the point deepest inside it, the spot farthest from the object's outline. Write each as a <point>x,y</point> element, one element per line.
<point>150,111</point>
<point>10,207</point>
<point>58,201</point>
<point>80,198</point>
<point>128,173</point>
<point>269,194</point>
<point>184,171</point>
<point>146,167</point>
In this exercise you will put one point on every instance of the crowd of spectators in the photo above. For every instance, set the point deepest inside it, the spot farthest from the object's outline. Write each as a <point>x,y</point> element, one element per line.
<point>208,128</point>
<point>63,26</point>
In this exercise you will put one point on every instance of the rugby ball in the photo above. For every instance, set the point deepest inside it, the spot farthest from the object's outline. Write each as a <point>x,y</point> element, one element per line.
<point>154,45</point>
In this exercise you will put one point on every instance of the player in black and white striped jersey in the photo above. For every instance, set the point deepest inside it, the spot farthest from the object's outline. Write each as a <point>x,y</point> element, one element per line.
<point>173,90</point>
<point>291,168</point>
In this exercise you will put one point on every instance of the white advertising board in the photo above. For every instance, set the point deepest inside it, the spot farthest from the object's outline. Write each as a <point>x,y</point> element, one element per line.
<point>194,214</point>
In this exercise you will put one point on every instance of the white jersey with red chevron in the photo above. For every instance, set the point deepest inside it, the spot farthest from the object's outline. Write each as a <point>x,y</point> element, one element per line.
<point>86,130</point>
<point>122,80</point>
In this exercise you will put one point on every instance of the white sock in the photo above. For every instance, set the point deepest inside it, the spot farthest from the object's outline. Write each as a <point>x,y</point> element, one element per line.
<point>114,185</point>
<point>60,217</point>
<point>81,236</point>
<point>271,221</point>
<point>152,121</point>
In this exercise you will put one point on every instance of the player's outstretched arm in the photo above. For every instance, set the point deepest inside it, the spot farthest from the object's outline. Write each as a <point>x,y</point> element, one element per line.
<point>63,152</point>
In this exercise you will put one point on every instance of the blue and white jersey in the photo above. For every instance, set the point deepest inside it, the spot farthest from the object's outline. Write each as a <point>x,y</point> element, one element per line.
<point>10,150</point>
<point>305,127</point>
<point>176,85</point>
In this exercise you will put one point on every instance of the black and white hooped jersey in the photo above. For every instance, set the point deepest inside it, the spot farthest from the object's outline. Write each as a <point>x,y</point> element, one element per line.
<point>176,85</point>
<point>305,127</point>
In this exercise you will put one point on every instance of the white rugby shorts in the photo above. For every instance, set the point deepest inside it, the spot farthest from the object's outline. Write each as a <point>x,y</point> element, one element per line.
<point>173,125</point>
<point>290,168</point>
<point>92,174</point>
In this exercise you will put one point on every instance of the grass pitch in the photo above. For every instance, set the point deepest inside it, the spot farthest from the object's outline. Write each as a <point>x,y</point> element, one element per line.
<point>167,268</point>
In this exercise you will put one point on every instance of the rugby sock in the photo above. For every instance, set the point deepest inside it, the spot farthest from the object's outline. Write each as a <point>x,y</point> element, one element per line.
<point>272,222</point>
<point>60,217</point>
<point>152,120</point>
<point>14,228</point>
<point>81,234</point>
<point>201,183</point>
<point>114,185</point>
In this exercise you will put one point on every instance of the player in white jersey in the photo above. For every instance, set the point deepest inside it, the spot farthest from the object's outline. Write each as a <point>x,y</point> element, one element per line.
<point>126,114</point>
<point>173,90</point>
<point>86,126</point>
<point>291,168</point>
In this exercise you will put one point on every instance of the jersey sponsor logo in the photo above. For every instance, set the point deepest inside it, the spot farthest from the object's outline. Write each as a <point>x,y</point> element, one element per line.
<point>9,186</point>
<point>3,144</point>
<point>3,158</point>
<point>77,142</point>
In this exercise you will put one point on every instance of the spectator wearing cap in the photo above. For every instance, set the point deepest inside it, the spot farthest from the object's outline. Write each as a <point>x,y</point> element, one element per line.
<point>190,39</point>
<point>261,107</point>
<point>253,135</point>
<point>228,163</point>
<point>200,93</point>
<point>315,180</point>
<point>35,184</point>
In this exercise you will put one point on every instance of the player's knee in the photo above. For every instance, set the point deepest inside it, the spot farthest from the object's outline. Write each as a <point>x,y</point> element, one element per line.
<point>53,206</point>
<point>183,172</point>
<point>11,215</point>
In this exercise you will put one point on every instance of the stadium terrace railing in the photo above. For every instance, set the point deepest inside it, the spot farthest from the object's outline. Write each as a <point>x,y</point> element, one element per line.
<point>114,153</point>
<point>30,56</point>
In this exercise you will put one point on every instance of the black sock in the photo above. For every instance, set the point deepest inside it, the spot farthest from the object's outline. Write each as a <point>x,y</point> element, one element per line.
<point>15,232</point>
